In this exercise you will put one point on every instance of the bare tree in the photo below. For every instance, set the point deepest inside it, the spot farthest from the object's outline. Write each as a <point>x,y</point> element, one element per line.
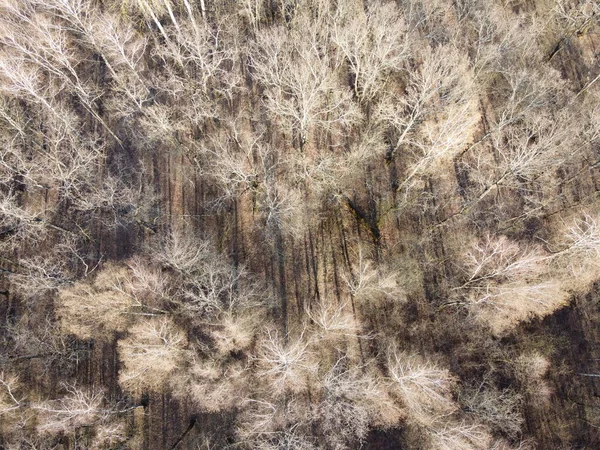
<point>213,383</point>
<point>369,284</point>
<point>424,388</point>
<point>88,310</point>
<point>236,332</point>
<point>437,115</point>
<point>352,402</point>
<point>303,95</point>
<point>209,285</point>
<point>269,425</point>
<point>334,322</point>
<point>506,283</point>
<point>40,342</point>
<point>583,237</point>
<point>21,223</point>
<point>501,259</point>
<point>288,365</point>
<point>373,43</point>
<point>530,369</point>
<point>51,54</point>
<point>500,409</point>
<point>252,11</point>
<point>78,408</point>
<point>459,435</point>
<point>9,399</point>
<point>152,351</point>
<point>574,245</point>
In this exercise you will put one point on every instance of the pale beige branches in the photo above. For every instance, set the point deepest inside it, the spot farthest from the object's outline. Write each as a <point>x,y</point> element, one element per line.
<point>122,45</point>
<point>92,309</point>
<point>281,208</point>
<point>110,434</point>
<point>287,365</point>
<point>506,282</point>
<point>582,237</point>
<point>289,438</point>
<point>203,53</point>
<point>242,163</point>
<point>145,282</point>
<point>303,94</point>
<point>436,116</point>
<point>53,55</point>
<point>123,50</point>
<point>575,246</point>
<point>60,161</point>
<point>214,385</point>
<point>20,79</point>
<point>501,444</point>
<point>15,124</point>
<point>530,369</point>
<point>114,201</point>
<point>158,125</point>
<point>39,339</point>
<point>270,425</point>
<point>115,41</point>
<point>9,399</point>
<point>15,411</point>
<point>37,275</point>
<point>236,332</point>
<point>459,436</point>
<point>252,11</point>
<point>374,44</point>
<point>424,388</point>
<point>182,251</point>
<point>527,92</point>
<point>369,284</point>
<point>499,409</point>
<point>575,15</point>
<point>351,403</point>
<point>21,222</point>
<point>498,258</point>
<point>525,155</point>
<point>326,174</point>
<point>152,351</point>
<point>200,61</point>
<point>334,322</point>
<point>78,408</point>
<point>209,284</point>
<point>239,161</point>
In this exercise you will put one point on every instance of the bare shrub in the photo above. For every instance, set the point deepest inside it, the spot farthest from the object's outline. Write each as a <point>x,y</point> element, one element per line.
<point>530,369</point>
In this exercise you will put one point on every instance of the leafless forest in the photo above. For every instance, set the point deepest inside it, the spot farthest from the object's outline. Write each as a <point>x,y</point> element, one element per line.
<point>299,224</point>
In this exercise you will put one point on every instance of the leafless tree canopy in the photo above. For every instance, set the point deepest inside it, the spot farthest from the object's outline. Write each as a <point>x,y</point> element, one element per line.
<point>299,224</point>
